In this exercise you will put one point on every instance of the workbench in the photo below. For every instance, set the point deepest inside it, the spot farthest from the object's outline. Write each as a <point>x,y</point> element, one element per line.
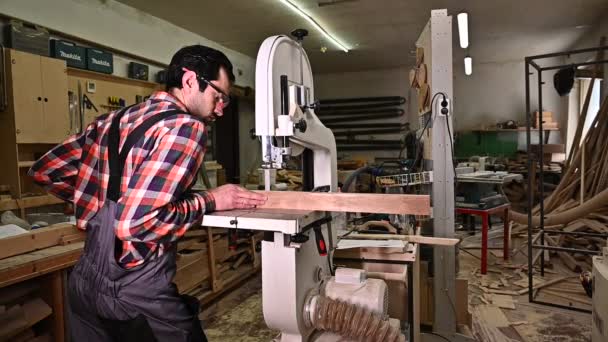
<point>205,270</point>
<point>49,267</point>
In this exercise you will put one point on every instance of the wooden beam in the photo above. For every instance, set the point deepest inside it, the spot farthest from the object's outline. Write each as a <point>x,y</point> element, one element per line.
<point>37,239</point>
<point>29,202</point>
<point>348,202</point>
<point>425,240</point>
<point>588,73</point>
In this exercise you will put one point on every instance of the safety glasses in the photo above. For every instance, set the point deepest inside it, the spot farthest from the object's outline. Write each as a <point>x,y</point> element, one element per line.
<point>222,96</point>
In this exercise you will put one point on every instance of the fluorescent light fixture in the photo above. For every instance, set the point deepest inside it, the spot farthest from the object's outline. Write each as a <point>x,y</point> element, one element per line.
<point>463,29</point>
<point>468,65</point>
<point>315,24</point>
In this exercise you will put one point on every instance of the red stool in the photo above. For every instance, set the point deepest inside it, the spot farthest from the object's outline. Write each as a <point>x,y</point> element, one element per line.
<point>485,220</point>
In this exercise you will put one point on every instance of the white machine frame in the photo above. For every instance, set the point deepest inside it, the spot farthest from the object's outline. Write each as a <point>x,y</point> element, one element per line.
<point>289,269</point>
<point>436,39</point>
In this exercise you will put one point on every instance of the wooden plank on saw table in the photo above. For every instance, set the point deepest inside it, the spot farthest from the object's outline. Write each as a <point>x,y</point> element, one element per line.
<point>347,202</point>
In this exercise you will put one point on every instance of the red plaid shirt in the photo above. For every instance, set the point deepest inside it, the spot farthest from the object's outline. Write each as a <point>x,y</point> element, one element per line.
<point>156,206</point>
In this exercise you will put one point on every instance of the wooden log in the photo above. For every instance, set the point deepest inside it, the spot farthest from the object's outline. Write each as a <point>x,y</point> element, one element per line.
<point>348,202</point>
<point>425,240</point>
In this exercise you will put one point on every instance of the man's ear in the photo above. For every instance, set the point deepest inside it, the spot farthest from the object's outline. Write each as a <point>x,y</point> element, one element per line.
<point>189,81</point>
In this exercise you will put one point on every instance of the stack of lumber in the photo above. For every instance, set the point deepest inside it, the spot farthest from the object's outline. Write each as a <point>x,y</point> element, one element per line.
<point>579,203</point>
<point>547,119</point>
<point>520,164</point>
<point>21,309</point>
<point>200,278</point>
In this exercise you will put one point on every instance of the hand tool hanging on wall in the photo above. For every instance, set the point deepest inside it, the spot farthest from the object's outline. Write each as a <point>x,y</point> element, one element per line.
<point>80,108</point>
<point>88,103</point>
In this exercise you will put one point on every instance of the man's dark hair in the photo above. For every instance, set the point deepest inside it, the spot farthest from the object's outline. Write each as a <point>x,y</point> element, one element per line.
<point>203,60</point>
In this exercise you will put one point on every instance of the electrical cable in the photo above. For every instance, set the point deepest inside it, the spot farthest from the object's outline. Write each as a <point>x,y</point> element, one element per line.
<point>432,333</point>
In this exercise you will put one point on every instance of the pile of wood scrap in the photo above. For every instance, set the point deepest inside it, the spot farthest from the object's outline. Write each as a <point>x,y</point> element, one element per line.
<point>579,202</point>
<point>21,309</point>
<point>496,300</point>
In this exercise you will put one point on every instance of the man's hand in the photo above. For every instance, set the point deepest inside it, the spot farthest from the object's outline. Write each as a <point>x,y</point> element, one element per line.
<point>231,196</point>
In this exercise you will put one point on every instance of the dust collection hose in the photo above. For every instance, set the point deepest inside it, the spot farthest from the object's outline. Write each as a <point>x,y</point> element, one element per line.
<point>349,320</point>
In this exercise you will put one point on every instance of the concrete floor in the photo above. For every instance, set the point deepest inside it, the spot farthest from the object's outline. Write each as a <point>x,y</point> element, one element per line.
<point>238,316</point>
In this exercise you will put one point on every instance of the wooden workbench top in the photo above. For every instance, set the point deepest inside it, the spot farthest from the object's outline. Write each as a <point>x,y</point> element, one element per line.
<point>30,265</point>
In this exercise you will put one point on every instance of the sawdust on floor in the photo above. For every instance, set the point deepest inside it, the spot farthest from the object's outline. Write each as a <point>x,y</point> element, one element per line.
<point>238,315</point>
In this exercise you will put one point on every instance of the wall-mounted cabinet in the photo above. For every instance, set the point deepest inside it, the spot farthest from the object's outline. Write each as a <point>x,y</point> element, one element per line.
<point>36,117</point>
<point>37,90</point>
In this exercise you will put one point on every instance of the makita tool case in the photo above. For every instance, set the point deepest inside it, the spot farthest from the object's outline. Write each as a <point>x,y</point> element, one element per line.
<point>100,61</point>
<point>74,55</point>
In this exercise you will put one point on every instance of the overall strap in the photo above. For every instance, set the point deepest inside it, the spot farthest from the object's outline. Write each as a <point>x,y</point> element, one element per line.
<point>116,159</point>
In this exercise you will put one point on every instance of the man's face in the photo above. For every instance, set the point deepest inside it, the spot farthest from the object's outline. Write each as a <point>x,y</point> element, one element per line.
<point>208,104</point>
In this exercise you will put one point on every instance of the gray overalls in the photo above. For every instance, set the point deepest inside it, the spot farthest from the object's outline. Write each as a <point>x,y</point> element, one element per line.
<point>110,303</point>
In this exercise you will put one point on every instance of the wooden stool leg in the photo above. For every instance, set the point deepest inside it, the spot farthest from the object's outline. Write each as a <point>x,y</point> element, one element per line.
<point>484,243</point>
<point>506,237</point>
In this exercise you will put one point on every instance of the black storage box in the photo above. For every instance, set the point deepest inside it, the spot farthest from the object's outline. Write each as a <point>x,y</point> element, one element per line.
<point>74,55</point>
<point>161,77</point>
<point>100,61</point>
<point>138,71</point>
<point>28,38</point>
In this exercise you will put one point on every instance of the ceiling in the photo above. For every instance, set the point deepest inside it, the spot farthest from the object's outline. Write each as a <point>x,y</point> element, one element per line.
<point>382,33</point>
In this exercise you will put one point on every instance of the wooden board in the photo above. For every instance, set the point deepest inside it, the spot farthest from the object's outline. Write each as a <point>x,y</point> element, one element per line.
<point>29,202</point>
<point>419,56</point>
<point>36,239</point>
<point>413,81</point>
<point>30,265</point>
<point>425,240</point>
<point>346,202</point>
<point>421,75</point>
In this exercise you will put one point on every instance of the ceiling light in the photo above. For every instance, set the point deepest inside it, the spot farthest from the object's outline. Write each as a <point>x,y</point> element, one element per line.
<point>463,29</point>
<point>468,65</point>
<point>315,24</point>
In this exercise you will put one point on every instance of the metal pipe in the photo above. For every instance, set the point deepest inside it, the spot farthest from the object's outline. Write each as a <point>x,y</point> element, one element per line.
<point>364,125</point>
<point>373,113</point>
<point>541,179</point>
<point>362,106</point>
<point>359,118</point>
<point>368,148</point>
<point>536,66</point>
<point>368,142</point>
<point>362,99</point>
<point>370,131</point>
<point>3,82</point>
<point>574,65</point>
<point>567,53</point>
<point>566,249</point>
<point>529,189</point>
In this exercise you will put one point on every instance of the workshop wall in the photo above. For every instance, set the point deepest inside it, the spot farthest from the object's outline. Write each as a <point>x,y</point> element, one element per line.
<point>369,83</point>
<point>119,26</point>
<point>591,38</point>
<point>495,92</point>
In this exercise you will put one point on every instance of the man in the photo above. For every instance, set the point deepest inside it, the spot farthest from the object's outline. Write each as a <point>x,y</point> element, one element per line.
<point>129,176</point>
